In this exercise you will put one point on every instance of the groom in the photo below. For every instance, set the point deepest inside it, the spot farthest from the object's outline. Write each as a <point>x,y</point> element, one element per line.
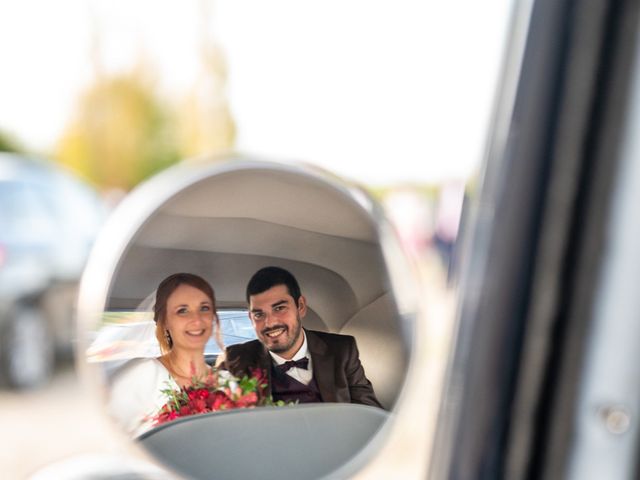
<point>301,364</point>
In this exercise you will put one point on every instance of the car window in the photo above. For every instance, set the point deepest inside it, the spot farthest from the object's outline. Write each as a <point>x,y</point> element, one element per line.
<point>236,326</point>
<point>24,211</point>
<point>126,334</point>
<point>79,206</point>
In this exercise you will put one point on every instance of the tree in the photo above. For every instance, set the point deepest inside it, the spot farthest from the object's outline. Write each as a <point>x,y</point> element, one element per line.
<point>9,144</point>
<point>121,133</point>
<point>206,125</point>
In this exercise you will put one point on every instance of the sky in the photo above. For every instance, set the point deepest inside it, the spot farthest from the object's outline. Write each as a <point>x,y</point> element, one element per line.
<point>380,92</point>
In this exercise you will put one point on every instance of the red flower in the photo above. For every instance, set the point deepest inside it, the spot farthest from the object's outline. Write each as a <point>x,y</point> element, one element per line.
<point>221,402</point>
<point>214,393</point>
<point>192,394</point>
<point>259,375</point>
<point>199,405</point>
<point>248,400</point>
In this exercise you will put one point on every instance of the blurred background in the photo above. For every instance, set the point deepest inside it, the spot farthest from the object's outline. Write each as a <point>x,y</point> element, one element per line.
<point>97,96</point>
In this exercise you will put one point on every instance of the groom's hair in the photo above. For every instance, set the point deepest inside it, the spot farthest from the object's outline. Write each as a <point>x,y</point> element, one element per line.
<point>269,277</point>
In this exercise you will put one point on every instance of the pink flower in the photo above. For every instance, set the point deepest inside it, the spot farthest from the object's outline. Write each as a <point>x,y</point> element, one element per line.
<point>247,400</point>
<point>221,402</point>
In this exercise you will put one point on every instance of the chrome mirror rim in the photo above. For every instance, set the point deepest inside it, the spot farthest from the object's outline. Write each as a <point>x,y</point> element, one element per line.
<point>130,216</point>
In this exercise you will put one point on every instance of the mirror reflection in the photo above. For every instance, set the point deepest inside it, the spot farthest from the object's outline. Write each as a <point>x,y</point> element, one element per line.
<point>268,286</point>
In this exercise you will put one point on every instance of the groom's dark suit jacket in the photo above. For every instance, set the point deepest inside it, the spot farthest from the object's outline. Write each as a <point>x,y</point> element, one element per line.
<point>336,366</point>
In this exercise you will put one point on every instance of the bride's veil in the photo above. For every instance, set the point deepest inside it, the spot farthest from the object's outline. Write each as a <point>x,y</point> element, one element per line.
<point>145,333</point>
<point>131,334</point>
<point>127,334</point>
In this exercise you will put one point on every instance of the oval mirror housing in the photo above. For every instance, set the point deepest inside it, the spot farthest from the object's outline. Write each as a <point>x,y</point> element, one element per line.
<point>224,221</point>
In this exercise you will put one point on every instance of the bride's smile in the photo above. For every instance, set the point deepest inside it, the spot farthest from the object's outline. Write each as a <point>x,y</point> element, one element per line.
<point>196,333</point>
<point>190,316</point>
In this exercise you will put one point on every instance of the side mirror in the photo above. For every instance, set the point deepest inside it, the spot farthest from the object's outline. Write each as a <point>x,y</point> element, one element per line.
<point>224,221</point>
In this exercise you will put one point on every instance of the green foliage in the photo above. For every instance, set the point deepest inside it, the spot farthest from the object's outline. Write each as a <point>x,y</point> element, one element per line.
<point>121,134</point>
<point>9,144</point>
<point>175,398</point>
<point>249,384</point>
<point>279,403</point>
<point>125,131</point>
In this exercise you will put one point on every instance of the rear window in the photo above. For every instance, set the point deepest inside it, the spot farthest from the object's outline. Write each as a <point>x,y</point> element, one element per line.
<point>24,211</point>
<point>128,334</point>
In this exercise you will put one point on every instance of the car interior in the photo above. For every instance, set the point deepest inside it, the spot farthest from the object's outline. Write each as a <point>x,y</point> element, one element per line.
<point>225,223</point>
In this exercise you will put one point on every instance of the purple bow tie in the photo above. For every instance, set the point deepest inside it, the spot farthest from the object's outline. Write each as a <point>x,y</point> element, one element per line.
<point>303,363</point>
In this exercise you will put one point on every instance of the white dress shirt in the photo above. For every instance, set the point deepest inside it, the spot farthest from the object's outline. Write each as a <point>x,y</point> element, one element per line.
<point>301,375</point>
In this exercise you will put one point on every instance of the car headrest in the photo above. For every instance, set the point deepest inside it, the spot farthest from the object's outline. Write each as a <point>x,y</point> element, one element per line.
<point>307,441</point>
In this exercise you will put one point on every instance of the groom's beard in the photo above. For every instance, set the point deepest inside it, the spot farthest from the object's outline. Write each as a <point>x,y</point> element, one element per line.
<point>284,342</point>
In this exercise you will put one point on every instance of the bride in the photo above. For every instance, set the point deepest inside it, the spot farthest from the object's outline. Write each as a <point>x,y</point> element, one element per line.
<point>185,317</point>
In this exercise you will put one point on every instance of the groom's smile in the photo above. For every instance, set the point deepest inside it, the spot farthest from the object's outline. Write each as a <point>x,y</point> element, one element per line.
<point>274,332</point>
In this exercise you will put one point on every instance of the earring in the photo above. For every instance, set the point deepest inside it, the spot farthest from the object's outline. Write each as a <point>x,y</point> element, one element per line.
<point>168,338</point>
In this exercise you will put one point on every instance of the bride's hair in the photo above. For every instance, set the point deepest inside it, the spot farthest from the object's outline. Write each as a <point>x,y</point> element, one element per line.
<point>164,291</point>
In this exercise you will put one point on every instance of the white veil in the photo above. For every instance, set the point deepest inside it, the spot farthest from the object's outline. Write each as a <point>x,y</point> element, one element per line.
<point>131,334</point>
<point>125,335</point>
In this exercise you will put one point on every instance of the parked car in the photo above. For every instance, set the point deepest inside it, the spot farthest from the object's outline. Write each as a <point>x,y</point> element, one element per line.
<point>48,224</point>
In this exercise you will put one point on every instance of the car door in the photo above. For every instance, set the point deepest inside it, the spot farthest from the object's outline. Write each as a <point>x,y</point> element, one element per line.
<point>543,381</point>
<point>26,229</point>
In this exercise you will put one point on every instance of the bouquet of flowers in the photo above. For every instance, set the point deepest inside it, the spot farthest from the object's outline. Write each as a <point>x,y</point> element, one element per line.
<point>219,390</point>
